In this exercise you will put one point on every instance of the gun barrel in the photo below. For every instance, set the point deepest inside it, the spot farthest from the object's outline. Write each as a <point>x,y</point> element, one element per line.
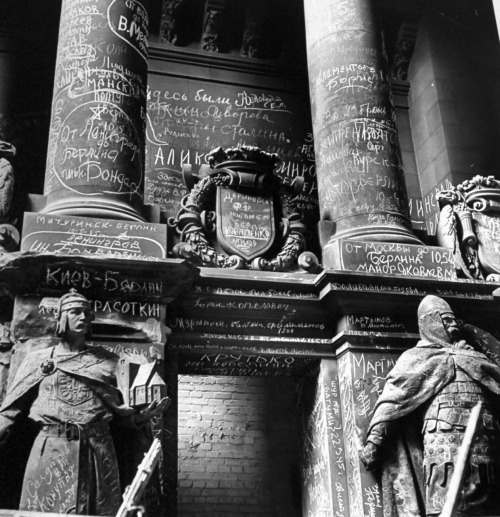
<point>144,471</point>
<point>452,496</point>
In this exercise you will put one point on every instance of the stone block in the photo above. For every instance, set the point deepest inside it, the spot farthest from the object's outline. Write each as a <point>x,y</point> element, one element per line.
<point>464,161</point>
<point>462,135</point>
<point>409,163</point>
<point>436,172</point>
<point>430,149</point>
<point>424,122</point>
<point>394,259</point>
<point>94,237</point>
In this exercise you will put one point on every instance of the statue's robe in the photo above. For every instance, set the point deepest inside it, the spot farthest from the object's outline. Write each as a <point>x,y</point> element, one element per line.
<point>419,374</point>
<point>72,397</point>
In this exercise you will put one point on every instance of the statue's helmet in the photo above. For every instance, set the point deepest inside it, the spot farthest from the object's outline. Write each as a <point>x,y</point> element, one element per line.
<point>430,320</point>
<point>68,301</point>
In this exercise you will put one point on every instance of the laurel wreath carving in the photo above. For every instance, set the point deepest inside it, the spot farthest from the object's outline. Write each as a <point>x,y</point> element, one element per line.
<point>197,216</point>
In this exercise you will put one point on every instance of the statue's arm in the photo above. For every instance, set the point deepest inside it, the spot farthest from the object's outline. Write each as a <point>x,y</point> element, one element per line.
<point>130,416</point>
<point>140,417</point>
<point>378,433</point>
<point>5,426</point>
<point>370,454</point>
<point>8,418</point>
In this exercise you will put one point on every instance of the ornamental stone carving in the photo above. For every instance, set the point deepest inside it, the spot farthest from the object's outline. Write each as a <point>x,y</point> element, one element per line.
<point>238,214</point>
<point>469,224</point>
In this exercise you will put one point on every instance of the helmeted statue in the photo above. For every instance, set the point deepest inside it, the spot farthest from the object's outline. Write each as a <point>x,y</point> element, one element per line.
<point>70,391</point>
<point>436,384</point>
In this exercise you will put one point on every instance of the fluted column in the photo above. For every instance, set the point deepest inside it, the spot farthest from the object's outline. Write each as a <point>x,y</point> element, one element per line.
<point>362,192</point>
<point>95,159</point>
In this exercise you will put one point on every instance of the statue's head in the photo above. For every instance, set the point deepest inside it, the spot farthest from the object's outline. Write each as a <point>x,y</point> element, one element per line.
<point>437,322</point>
<point>73,313</point>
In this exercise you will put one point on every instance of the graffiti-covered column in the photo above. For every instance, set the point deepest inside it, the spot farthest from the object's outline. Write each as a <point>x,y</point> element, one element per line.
<point>364,360</point>
<point>362,192</point>
<point>95,158</point>
<point>323,468</point>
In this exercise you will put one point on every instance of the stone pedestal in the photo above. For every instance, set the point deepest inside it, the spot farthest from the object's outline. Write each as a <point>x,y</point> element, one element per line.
<point>361,375</point>
<point>129,301</point>
<point>361,187</point>
<point>391,258</point>
<point>94,237</point>
<point>323,466</point>
<point>95,160</point>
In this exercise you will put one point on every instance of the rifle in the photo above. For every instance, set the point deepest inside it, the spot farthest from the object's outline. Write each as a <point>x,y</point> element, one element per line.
<point>453,493</point>
<point>134,491</point>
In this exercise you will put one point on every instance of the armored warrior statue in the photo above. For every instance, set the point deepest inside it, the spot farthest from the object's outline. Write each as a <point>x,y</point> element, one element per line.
<point>438,382</point>
<point>70,391</point>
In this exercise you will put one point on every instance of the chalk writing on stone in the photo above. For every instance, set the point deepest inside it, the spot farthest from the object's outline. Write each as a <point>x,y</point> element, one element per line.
<point>242,364</point>
<point>351,438</point>
<point>335,438</point>
<point>94,237</point>
<point>48,305</point>
<point>288,328</point>
<point>109,281</point>
<point>185,123</point>
<point>96,137</point>
<point>269,293</point>
<point>315,461</point>
<point>396,259</point>
<point>362,322</point>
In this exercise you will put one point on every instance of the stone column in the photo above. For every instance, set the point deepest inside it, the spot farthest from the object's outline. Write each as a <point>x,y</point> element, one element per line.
<point>361,187</point>
<point>361,376</point>
<point>95,159</point>
<point>323,467</point>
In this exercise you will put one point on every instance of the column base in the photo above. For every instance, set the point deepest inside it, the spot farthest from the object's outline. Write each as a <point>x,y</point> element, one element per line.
<point>373,227</point>
<point>390,258</point>
<point>102,208</point>
<point>93,237</point>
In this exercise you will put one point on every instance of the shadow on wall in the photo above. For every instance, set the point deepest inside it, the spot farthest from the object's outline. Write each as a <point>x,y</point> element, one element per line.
<point>238,453</point>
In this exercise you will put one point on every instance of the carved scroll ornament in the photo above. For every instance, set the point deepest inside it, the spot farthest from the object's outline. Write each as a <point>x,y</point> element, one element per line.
<point>469,224</point>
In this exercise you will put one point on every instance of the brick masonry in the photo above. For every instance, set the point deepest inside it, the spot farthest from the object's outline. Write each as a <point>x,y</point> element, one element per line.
<point>238,447</point>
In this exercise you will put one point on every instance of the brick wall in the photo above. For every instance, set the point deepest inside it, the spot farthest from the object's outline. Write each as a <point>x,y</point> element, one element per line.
<point>238,453</point>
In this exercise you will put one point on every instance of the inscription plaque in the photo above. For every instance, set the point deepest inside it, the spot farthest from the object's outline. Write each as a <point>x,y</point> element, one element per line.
<point>245,223</point>
<point>94,237</point>
<point>387,258</point>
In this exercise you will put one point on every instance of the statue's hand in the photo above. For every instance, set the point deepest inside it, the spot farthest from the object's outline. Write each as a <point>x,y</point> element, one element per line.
<point>370,455</point>
<point>122,410</point>
<point>156,408</point>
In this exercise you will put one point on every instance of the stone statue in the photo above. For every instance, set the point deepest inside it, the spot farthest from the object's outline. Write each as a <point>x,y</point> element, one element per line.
<point>432,389</point>
<point>70,391</point>
<point>9,235</point>
<point>7,152</point>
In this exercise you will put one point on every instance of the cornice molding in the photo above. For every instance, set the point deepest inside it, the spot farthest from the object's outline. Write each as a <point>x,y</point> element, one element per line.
<point>233,63</point>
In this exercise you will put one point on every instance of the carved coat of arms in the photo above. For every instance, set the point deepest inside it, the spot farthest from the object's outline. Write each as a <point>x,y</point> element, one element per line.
<point>239,214</point>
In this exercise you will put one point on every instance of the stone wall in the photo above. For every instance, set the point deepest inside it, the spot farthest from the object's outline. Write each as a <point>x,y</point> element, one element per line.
<point>453,119</point>
<point>238,447</point>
